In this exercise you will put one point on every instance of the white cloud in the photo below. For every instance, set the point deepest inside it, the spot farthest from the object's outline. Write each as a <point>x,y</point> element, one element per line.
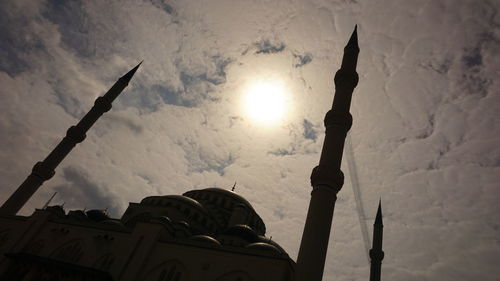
<point>425,134</point>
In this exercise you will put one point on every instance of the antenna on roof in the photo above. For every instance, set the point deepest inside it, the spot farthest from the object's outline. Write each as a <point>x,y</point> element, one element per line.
<point>48,201</point>
<point>62,205</point>
<point>232,189</point>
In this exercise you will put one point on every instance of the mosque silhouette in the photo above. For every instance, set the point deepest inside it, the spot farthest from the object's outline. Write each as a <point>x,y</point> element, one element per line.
<point>209,234</point>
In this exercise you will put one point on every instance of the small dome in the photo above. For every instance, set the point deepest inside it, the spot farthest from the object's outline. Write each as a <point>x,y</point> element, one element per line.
<point>182,224</point>
<point>181,229</point>
<point>56,210</point>
<point>272,242</point>
<point>166,223</point>
<point>162,220</point>
<point>264,247</point>
<point>205,239</point>
<point>77,214</point>
<point>243,231</point>
<point>97,215</point>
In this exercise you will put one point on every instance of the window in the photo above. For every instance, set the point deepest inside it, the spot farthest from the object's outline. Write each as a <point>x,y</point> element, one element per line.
<point>69,252</point>
<point>170,274</point>
<point>104,262</point>
<point>171,270</point>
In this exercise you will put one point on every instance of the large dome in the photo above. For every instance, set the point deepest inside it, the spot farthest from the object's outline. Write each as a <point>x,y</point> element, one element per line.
<point>208,211</point>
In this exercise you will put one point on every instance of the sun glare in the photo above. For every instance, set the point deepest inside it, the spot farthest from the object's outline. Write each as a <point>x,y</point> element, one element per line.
<point>265,102</point>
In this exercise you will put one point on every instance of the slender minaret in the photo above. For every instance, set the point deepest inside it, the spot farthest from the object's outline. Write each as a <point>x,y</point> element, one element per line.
<point>376,253</point>
<point>327,178</point>
<point>45,169</point>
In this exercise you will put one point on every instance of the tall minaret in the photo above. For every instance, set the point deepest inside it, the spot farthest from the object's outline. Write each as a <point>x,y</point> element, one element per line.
<point>45,169</point>
<point>327,179</point>
<point>376,253</point>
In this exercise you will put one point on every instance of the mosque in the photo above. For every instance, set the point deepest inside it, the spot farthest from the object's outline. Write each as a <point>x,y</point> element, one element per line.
<point>209,234</point>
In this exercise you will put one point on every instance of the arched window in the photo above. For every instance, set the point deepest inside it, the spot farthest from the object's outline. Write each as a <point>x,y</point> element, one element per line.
<point>104,262</point>
<point>171,270</point>
<point>71,251</point>
<point>170,274</point>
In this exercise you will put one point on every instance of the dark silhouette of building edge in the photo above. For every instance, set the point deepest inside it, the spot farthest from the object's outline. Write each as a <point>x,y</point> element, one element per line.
<point>326,179</point>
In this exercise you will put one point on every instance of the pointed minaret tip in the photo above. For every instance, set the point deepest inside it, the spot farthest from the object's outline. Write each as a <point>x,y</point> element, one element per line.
<point>127,77</point>
<point>378,219</point>
<point>353,41</point>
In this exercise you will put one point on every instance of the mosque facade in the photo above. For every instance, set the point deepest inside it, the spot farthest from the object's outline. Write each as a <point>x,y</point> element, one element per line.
<point>209,234</point>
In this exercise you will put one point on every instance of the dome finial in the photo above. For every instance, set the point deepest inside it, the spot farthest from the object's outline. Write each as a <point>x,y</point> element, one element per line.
<point>232,189</point>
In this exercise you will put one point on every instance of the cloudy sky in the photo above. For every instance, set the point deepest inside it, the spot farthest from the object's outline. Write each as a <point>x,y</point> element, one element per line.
<point>426,133</point>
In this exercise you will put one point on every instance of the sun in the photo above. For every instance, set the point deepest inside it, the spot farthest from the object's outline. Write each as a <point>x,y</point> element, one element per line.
<point>265,101</point>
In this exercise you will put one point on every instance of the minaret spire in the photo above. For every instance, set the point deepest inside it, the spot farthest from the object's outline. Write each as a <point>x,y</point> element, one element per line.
<point>327,179</point>
<point>353,40</point>
<point>376,253</point>
<point>378,218</point>
<point>45,169</point>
